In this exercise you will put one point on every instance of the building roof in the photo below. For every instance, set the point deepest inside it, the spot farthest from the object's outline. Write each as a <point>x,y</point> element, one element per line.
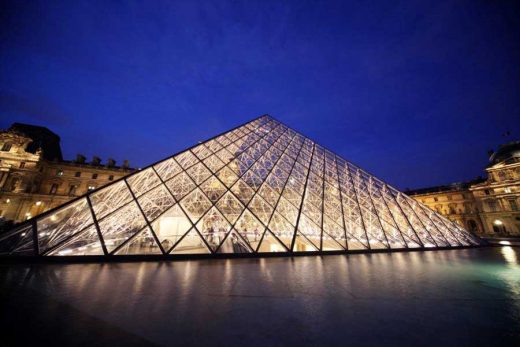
<point>42,138</point>
<point>453,187</point>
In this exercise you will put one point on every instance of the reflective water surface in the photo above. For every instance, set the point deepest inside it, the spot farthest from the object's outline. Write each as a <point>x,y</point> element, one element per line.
<point>454,297</point>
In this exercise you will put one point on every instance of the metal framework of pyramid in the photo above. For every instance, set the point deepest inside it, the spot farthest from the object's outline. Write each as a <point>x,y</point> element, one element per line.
<point>259,188</point>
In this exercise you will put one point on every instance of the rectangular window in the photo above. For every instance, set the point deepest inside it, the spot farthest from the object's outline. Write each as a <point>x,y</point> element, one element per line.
<point>77,174</point>
<point>486,191</point>
<point>6,147</point>
<point>492,205</point>
<point>54,188</point>
<point>94,176</point>
<point>111,177</point>
<point>514,206</point>
<point>72,189</point>
<point>22,164</point>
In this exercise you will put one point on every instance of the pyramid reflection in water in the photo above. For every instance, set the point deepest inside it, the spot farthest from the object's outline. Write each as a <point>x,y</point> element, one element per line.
<point>261,187</point>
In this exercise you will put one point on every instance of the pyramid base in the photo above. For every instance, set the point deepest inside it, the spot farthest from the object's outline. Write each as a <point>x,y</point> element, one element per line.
<point>172,257</point>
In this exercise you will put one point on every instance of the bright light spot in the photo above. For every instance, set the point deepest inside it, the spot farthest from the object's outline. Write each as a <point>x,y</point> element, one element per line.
<point>505,243</point>
<point>509,255</point>
<point>53,218</point>
<point>23,234</point>
<point>498,222</point>
<point>8,201</point>
<point>38,203</point>
<point>65,251</point>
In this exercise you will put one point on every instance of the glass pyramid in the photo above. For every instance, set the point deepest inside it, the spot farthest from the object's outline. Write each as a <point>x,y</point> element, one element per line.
<point>259,188</point>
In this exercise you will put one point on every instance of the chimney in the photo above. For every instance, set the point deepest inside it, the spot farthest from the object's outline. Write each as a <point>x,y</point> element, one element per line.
<point>96,160</point>
<point>111,162</point>
<point>80,158</point>
<point>126,164</point>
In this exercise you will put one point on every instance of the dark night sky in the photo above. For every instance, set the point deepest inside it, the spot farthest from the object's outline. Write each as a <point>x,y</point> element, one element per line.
<point>414,92</point>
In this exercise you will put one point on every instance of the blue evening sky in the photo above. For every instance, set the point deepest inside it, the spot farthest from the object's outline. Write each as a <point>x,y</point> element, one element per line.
<point>415,92</point>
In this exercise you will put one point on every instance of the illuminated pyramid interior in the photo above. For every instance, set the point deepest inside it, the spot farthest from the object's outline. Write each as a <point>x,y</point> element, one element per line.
<point>259,188</point>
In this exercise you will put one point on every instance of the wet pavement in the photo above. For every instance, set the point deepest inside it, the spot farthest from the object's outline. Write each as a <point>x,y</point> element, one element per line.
<point>468,297</point>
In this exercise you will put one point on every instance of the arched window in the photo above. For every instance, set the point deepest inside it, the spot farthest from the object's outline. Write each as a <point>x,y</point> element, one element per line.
<point>472,225</point>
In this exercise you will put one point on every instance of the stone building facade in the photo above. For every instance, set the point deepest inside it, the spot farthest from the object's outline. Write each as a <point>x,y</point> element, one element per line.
<point>488,207</point>
<point>34,177</point>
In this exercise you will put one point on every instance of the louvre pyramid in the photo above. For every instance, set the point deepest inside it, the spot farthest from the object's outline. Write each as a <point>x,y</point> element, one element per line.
<point>259,188</point>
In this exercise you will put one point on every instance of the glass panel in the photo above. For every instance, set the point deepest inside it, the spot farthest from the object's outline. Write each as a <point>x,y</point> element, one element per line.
<point>186,159</point>
<point>201,151</point>
<point>234,244</point>
<point>250,228</point>
<point>155,202</point>
<point>243,191</point>
<point>167,169</point>
<point>302,244</point>
<point>142,243</point>
<point>143,181</point>
<point>230,207</point>
<point>213,163</point>
<point>227,176</point>
<point>180,185</point>
<point>280,227</point>
<point>196,204</point>
<point>213,188</point>
<point>191,244</point>
<point>198,173</point>
<point>261,209</point>
<point>310,230</point>
<point>270,244</point>
<point>18,241</point>
<point>170,227</point>
<point>121,225</point>
<point>63,223</point>
<point>213,227</point>
<point>110,198</point>
<point>84,243</point>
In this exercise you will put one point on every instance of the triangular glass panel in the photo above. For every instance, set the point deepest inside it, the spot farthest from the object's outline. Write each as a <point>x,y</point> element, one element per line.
<point>282,229</point>
<point>85,242</point>
<point>191,243</point>
<point>213,188</point>
<point>302,244</point>
<point>171,226</point>
<point>270,244</point>
<point>142,243</point>
<point>234,244</point>
<point>143,181</point>
<point>156,202</point>
<point>168,168</point>
<point>195,204</point>
<point>122,224</point>
<point>250,228</point>
<point>227,176</point>
<point>63,223</point>
<point>230,207</point>
<point>18,241</point>
<point>213,227</point>
<point>106,200</point>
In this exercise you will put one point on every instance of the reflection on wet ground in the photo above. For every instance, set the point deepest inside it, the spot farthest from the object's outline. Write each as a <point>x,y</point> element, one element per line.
<point>455,297</point>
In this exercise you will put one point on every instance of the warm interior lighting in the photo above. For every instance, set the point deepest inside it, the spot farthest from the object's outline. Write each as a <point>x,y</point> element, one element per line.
<point>498,222</point>
<point>258,188</point>
<point>38,203</point>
